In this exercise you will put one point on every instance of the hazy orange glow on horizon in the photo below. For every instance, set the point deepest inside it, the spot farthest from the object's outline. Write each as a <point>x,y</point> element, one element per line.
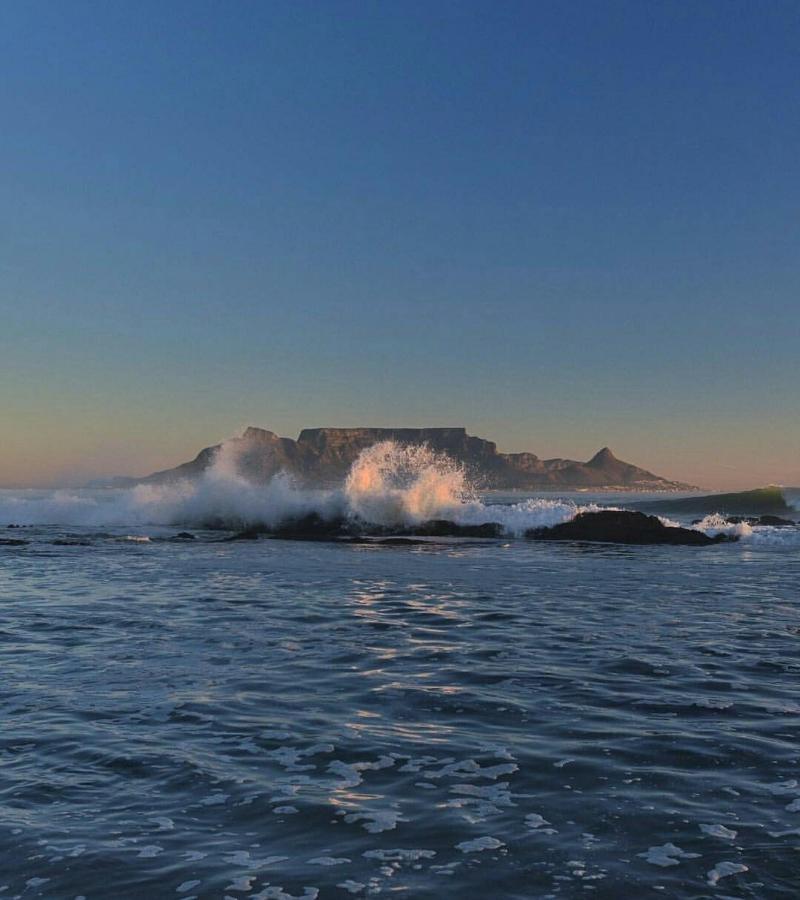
<point>53,454</point>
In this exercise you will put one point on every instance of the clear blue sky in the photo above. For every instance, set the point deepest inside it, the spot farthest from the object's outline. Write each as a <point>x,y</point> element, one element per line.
<point>562,225</point>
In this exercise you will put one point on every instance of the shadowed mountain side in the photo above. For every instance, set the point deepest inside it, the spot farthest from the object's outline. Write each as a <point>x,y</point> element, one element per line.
<point>323,456</point>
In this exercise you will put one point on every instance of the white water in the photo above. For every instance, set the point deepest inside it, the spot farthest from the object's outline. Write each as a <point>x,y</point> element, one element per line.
<point>389,485</point>
<point>717,524</point>
<point>392,484</point>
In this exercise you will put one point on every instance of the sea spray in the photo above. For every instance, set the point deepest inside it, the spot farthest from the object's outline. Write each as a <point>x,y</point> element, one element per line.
<point>390,485</point>
<point>715,524</point>
<point>396,484</point>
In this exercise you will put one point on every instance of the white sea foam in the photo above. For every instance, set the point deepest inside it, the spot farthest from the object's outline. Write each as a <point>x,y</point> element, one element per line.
<point>717,524</point>
<point>718,830</point>
<point>666,855</point>
<point>374,821</point>
<point>757,535</point>
<point>479,844</point>
<point>388,485</point>
<point>399,855</point>
<point>534,820</point>
<point>393,484</point>
<point>725,870</point>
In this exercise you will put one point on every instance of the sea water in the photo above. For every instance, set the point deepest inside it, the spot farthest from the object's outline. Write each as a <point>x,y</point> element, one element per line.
<point>467,719</point>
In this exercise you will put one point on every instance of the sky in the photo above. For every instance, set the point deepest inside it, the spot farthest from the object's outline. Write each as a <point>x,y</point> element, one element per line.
<point>561,225</point>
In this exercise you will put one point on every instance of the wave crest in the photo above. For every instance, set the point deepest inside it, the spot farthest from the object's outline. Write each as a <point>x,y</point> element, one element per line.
<point>395,484</point>
<point>389,485</point>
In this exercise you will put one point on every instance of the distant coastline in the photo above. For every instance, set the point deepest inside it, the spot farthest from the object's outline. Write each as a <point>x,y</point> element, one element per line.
<point>323,456</point>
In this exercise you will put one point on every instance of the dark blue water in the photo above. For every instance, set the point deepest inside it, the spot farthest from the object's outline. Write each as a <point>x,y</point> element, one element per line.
<point>273,719</point>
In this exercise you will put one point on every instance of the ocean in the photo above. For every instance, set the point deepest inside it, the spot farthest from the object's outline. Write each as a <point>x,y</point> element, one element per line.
<point>208,718</point>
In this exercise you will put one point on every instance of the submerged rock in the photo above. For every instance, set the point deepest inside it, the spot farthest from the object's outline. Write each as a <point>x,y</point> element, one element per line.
<point>183,536</point>
<point>622,527</point>
<point>12,542</point>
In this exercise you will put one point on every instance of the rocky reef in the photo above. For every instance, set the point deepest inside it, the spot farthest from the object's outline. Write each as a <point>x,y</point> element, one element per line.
<point>602,526</point>
<point>623,527</point>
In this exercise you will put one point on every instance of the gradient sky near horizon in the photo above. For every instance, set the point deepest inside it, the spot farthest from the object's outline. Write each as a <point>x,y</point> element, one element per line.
<point>562,225</point>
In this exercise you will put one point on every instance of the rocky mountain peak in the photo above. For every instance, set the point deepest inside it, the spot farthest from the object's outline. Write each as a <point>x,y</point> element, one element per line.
<point>602,458</point>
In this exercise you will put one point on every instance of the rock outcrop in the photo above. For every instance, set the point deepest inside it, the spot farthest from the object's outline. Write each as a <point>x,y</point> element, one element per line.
<point>610,526</point>
<point>323,456</point>
<point>604,526</point>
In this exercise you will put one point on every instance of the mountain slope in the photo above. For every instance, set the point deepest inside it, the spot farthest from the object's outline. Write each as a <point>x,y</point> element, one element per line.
<point>323,456</point>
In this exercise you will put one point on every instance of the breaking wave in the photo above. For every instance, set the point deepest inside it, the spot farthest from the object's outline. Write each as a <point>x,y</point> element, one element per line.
<point>764,535</point>
<point>715,524</point>
<point>398,485</point>
<point>389,485</point>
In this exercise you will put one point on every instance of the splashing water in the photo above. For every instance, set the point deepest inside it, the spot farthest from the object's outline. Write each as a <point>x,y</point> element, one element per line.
<point>764,535</point>
<point>389,485</point>
<point>398,485</point>
<point>717,524</point>
<point>393,484</point>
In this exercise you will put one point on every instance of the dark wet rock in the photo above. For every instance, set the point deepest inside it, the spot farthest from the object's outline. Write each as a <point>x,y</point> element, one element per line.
<point>312,527</point>
<point>446,528</point>
<point>768,501</point>
<point>183,536</point>
<point>622,527</point>
<point>13,526</point>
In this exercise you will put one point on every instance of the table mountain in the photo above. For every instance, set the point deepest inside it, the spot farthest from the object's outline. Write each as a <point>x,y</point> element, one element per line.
<point>323,456</point>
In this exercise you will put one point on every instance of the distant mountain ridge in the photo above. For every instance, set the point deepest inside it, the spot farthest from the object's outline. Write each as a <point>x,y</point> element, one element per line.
<point>323,456</point>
